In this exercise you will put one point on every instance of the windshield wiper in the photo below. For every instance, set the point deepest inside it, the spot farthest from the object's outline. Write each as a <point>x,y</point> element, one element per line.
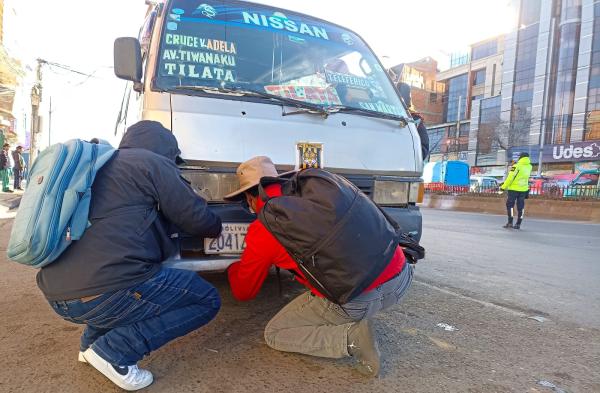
<point>240,92</point>
<point>367,112</point>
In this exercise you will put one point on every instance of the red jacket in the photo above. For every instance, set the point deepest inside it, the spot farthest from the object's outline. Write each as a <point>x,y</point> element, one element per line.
<point>263,250</point>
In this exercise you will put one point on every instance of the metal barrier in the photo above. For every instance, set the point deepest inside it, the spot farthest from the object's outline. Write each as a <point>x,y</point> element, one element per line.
<point>545,191</point>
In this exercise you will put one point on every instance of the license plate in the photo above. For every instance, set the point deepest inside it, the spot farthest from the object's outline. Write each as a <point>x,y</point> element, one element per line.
<point>231,241</point>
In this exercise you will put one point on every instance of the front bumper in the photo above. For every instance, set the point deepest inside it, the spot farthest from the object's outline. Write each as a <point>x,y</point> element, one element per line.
<point>192,256</point>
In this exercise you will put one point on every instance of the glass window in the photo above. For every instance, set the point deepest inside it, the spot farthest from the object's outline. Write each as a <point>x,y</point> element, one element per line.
<point>530,12</point>
<point>458,59</point>
<point>520,122</point>
<point>436,136</point>
<point>558,129</point>
<point>592,119</point>
<point>456,95</point>
<point>479,77</point>
<point>484,50</point>
<point>243,46</point>
<point>491,131</point>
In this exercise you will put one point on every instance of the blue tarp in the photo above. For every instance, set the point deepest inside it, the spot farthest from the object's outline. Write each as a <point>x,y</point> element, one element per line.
<point>451,173</point>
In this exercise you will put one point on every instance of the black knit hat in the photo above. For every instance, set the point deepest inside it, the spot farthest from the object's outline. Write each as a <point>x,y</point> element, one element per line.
<point>524,154</point>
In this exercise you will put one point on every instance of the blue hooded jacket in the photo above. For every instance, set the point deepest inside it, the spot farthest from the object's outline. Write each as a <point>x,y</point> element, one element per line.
<point>137,198</point>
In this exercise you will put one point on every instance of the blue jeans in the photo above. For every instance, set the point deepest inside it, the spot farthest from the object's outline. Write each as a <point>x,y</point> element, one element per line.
<point>125,325</point>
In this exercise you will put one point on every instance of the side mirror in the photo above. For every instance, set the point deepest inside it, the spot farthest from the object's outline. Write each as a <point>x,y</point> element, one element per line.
<point>128,61</point>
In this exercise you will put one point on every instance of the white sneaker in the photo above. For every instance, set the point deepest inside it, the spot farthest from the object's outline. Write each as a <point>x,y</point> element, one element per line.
<point>126,377</point>
<point>80,358</point>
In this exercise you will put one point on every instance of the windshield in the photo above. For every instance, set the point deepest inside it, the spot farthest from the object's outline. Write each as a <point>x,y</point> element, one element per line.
<point>235,45</point>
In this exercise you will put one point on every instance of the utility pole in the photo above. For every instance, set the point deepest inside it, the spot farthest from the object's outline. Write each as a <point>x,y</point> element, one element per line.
<point>456,136</point>
<point>36,98</point>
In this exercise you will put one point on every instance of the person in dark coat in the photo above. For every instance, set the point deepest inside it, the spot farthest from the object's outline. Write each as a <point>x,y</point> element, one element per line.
<point>112,279</point>
<point>19,167</point>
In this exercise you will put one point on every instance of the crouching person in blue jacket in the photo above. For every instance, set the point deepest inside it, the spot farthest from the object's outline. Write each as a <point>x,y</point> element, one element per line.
<point>112,279</point>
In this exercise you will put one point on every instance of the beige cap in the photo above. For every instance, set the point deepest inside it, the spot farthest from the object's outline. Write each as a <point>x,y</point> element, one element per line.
<point>250,172</point>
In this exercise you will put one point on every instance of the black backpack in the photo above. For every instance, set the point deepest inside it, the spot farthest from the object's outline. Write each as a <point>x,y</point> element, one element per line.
<point>340,239</point>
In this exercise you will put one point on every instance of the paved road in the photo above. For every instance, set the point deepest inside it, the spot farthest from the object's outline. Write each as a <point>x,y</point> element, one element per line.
<point>548,267</point>
<point>496,347</point>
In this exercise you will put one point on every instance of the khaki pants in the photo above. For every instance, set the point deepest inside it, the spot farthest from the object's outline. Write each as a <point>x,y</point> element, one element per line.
<point>315,326</point>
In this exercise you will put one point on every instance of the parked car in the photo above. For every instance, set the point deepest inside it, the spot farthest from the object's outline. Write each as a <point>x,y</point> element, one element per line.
<point>485,184</point>
<point>556,185</point>
<point>584,185</point>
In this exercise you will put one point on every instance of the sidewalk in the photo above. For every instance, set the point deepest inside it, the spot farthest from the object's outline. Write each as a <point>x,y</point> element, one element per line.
<point>9,202</point>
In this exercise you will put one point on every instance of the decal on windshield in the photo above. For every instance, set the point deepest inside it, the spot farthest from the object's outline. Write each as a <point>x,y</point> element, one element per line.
<point>174,18</point>
<point>381,106</point>
<point>316,95</point>
<point>279,21</point>
<point>347,38</point>
<point>187,56</point>
<point>207,10</point>
<point>347,79</point>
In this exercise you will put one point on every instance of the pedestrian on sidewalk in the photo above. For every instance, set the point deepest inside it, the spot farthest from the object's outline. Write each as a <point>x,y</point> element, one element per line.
<point>517,186</point>
<point>112,279</point>
<point>5,168</point>
<point>19,167</point>
<point>311,324</point>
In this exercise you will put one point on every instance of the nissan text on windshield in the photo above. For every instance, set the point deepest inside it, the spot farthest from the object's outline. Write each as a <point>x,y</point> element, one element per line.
<point>234,80</point>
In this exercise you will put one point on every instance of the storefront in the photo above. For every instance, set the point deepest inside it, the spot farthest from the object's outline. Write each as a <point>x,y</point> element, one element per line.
<point>564,158</point>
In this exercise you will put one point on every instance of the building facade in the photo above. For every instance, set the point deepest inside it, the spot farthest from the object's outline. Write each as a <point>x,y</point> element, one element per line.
<point>475,78</point>
<point>10,73</point>
<point>426,92</point>
<point>537,89</point>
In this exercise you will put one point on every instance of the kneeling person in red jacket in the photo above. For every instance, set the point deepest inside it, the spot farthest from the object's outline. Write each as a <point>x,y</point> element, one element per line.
<point>311,324</point>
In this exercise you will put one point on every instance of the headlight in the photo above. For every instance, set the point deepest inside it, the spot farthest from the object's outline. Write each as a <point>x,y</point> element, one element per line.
<point>390,192</point>
<point>212,186</point>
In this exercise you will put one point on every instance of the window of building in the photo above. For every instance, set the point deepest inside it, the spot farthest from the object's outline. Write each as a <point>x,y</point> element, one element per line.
<point>527,40</point>
<point>484,50</point>
<point>592,119</point>
<point>436,137</point>
<point>432,98</point>
<point>530,12</point>
<point>456,96</point>
<point>479,77</point>
<point>464,129</point>
<point>458,59</point>
<point>558,129</point>
<point>491,131</point>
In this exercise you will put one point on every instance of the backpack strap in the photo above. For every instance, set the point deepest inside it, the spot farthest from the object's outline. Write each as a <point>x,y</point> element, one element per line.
<point>413,251</point>
<point>267,181</point>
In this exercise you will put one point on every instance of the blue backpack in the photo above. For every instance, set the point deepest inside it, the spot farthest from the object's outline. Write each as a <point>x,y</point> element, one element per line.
<point>54,208</point>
